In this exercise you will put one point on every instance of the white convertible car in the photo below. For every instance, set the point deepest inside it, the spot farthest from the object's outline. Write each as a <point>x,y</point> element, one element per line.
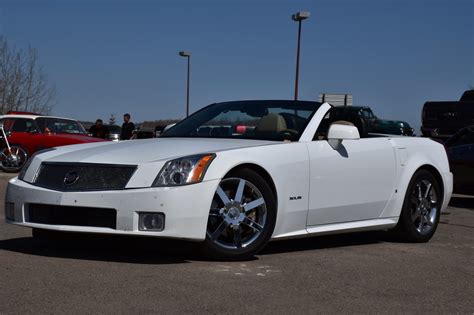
<point>235,175</point>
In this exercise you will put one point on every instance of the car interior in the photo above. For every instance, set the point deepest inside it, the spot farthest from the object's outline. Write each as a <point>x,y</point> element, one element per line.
<point>335,116</point>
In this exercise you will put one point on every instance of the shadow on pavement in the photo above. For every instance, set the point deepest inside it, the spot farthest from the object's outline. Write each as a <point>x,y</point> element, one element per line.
<point>327,241</point>
<point>462,202</point>
<point>136,250</point>
<point>143,250</point>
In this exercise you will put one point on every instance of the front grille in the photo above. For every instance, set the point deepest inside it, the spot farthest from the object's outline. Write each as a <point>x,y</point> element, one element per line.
<point>76,216</point>
<point>83,177</point>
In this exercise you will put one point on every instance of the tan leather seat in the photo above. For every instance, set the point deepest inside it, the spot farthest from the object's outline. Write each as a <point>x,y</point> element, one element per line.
<point>271,124</point>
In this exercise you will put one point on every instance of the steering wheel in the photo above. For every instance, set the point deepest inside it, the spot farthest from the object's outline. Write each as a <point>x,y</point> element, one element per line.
<point>288,134</point>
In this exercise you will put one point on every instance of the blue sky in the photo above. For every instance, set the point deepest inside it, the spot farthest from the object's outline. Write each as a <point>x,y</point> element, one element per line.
<point>122,56</point>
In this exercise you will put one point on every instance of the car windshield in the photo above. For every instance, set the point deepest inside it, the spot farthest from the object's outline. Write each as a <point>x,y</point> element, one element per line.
<point>258,120</point>
<point>59,125</point>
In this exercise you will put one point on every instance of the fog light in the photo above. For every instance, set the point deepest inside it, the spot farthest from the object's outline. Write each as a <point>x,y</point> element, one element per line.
<point>151,221</point>
<point>10,211</point>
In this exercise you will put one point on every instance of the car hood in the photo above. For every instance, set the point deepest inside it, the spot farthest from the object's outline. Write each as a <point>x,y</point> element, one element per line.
<point>142,151</point>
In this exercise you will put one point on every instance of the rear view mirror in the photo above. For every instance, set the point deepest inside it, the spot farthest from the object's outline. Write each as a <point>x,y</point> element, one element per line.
<point>342,130</point>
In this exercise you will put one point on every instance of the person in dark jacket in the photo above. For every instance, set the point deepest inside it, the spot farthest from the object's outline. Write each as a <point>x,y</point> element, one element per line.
<point>127,128</point>
<point>99,130</point>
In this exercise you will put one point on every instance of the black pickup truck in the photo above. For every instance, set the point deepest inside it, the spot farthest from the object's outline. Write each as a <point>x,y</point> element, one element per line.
<point>443,119</point>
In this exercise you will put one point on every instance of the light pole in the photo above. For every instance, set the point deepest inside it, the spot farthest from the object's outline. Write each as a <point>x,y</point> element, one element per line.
<point>298,17</point>
<point>187,55</point>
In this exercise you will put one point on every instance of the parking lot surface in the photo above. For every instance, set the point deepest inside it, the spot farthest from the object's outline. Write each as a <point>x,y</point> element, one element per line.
<point>358,272</point>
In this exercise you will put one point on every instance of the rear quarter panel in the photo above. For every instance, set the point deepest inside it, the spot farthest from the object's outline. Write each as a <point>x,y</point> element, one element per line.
<point>413,154</point>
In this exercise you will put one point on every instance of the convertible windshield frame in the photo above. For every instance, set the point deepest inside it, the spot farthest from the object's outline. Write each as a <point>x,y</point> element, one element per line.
<point>273,120</point>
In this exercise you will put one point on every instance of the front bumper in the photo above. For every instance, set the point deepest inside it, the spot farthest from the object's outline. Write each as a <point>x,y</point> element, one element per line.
<point>186,208</point>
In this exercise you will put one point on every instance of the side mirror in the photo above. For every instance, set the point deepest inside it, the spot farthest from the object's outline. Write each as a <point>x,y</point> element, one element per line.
<point>339,131</point>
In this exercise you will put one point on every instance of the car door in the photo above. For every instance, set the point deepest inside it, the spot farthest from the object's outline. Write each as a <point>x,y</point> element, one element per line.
<point>20,133</point>
<point>352,183</point>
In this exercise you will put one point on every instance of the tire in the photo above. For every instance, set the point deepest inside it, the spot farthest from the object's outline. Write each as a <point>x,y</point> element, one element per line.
<point>13,160</point>
<point>242,217</point>
<point>421,209</point>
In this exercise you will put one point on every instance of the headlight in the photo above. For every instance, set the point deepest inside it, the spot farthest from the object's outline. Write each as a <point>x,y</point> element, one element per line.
<point>25,167</point>
<point>184,171</point>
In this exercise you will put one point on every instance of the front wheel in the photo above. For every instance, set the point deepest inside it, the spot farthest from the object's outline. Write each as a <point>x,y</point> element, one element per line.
<point>242,217</point>
<point>12,160</point>
<point>421,208</point>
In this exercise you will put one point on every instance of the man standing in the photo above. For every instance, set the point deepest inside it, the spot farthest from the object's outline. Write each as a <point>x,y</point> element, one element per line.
<point>99,130</point>
<point>127,128</point>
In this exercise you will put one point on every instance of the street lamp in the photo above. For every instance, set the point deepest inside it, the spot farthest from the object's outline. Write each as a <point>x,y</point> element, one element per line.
<point>298,17</point>
<point>187,55</point>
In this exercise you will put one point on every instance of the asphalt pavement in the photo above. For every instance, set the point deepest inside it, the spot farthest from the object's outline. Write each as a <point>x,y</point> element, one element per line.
<point>351,273</point>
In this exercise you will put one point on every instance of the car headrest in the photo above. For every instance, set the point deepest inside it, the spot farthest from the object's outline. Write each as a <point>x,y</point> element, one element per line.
<point>271,123</point>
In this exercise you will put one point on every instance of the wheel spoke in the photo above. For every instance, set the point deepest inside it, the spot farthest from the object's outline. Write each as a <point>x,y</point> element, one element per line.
<point>428,189</point>
<point>221,228</point>
<point>237,237</point>
<point>254,225</point>
<point>215,212</point>
<point>222,195</point>
<point>415,215</point>
<point>420,195</point>
<point>240,191</point>
<point>422,221</point>
<point>254,204</point>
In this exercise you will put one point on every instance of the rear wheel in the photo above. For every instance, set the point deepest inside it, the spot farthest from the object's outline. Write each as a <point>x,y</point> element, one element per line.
<point>421,208</point>
<point>242,217</point>
<point>13,159</point>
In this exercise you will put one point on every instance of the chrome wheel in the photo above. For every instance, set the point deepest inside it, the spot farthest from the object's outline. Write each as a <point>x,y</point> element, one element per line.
<point>424,206</point>
<point>238,214</point>
<point>13,159</point>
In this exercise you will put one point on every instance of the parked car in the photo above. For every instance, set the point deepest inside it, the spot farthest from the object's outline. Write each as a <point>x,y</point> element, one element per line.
<point>159,130</point>
<point>373,124</point>
<point>261,176</point>
<point>28,133</point>
<point>144,133</point>
<point>460,150</point>
<point>443,119</point>
<point>114,132</point>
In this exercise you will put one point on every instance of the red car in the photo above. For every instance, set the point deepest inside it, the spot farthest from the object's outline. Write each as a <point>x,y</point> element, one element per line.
<point>28,133</point>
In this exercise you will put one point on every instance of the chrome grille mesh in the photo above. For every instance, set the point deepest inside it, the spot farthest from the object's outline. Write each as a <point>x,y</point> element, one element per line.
<point>83,177</point>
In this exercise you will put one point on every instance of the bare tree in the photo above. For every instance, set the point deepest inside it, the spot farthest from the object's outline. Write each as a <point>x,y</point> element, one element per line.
<point>23,84</point>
